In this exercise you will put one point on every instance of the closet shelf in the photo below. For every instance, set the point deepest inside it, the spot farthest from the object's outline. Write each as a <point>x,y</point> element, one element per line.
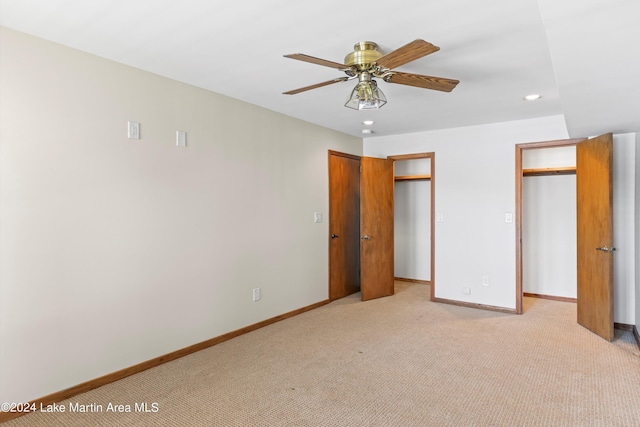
<point>569,170</point>
<point>412,177</point>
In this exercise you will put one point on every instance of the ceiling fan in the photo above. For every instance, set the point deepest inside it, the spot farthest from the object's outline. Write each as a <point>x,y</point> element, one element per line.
<point>366,62</point>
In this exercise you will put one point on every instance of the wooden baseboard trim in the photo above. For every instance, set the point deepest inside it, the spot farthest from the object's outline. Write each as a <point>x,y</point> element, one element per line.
<point>152,363</point>
<point>474,305</point>
<point>623,326</point>
<point>551,297</point>
<point>403,279</point>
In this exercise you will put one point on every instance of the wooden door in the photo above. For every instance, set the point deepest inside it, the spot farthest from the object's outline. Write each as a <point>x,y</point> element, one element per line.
<point>594,190</point>
<point>376,218</point>
<point>344,225</point>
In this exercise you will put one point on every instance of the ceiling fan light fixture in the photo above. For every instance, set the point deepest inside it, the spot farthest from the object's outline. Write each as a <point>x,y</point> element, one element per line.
<point>366,95</point>
<point>367,62</point>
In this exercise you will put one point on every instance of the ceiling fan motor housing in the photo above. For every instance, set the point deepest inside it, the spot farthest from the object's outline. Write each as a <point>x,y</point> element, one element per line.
<point>363,56</point>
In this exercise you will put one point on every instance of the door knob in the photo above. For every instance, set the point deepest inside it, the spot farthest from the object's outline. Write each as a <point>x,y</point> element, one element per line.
<point>606,249</point>
<point>333,236</point>
<point>366,237</point>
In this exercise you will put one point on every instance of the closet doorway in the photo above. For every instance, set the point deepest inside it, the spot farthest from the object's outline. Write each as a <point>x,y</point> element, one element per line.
<point>414,179</point>
<point>549,223</point>
<point>594,229</point>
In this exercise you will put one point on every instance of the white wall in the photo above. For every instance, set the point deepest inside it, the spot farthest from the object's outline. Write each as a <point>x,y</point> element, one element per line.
<point>115,251</point>
<point>624,228</point>
<point>552,157</point>
<point>637,230</point>
<point>475,187</point>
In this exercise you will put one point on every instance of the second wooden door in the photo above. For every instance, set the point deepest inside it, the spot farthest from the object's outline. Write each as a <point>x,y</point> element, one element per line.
<point>376,219</point>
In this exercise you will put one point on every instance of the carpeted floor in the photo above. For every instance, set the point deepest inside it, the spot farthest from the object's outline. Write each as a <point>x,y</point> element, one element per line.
<point>397,361</point>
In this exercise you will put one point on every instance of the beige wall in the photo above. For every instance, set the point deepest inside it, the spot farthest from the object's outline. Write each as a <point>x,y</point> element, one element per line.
<point>114,251</point>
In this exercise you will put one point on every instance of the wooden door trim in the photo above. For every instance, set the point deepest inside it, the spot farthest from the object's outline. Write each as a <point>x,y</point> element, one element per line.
<point>410,156</point>
<point>432,208</point>
<point>519,175</point>
<point>350,156</point>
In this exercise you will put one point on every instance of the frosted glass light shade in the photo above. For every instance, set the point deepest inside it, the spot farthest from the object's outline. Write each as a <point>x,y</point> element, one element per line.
<point>366,96</point>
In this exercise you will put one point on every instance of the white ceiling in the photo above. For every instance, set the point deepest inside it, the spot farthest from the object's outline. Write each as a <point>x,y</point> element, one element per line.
<point>582,56</point>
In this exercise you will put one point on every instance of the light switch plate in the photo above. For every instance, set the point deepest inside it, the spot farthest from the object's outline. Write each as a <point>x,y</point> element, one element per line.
<point>133,130</point>
<point>317,217</point>
<point>181,138</point>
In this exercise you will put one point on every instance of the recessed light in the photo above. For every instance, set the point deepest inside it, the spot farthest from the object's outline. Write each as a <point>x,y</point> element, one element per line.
<point>532,97</point>
<point>367,131</point>
<point>367,122</point>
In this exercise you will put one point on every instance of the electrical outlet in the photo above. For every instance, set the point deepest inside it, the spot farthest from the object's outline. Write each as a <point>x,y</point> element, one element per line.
<point>486,280</point>
<point>256,294</point>
<point>466,291</point>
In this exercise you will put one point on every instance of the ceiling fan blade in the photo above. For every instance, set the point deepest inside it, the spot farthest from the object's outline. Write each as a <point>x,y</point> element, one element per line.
<point>317,85</point>
<point>318,61</point>
<point>425,82</point>
<point>407,53</point>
